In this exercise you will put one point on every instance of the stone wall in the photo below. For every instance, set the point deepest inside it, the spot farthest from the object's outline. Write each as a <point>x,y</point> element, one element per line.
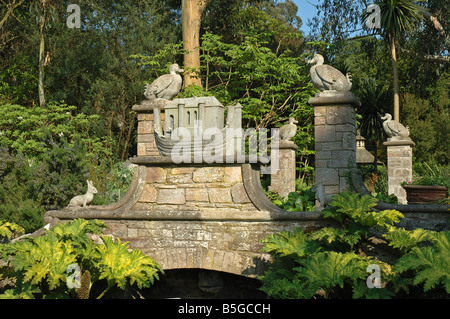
<point>229,246</point>
<point>195,188</point>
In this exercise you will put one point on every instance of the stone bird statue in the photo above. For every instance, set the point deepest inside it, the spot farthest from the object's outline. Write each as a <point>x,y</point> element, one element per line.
<point>327,78</point>
<point>288,131</point>
<point>166,86</point>
<point>394,129</point>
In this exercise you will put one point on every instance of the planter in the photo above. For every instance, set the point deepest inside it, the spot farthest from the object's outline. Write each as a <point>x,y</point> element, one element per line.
<point>421,194</point>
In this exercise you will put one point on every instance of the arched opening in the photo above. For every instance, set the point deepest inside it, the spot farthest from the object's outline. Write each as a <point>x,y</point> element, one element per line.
<point>203,284</point>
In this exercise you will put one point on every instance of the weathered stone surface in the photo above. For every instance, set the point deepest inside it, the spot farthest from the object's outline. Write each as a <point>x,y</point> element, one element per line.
<point>399,168</point>
<point>239,194</point>
<point>208,174</point>
<point>283,181</point>
<point>219,195</point>
<point>149,195</point>
<point>171,196</point>
<point>156,175</point>
<point>197,195</point>
<point>233,174</point>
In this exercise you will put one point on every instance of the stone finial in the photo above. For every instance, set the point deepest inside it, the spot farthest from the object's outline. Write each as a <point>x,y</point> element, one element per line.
<point>327,78</point>
<point>84,200</point>
<point>166,86</point>
<point>393,129</point>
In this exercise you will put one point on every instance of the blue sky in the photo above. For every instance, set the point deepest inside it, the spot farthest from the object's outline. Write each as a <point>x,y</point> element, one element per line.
<point>306,11</point>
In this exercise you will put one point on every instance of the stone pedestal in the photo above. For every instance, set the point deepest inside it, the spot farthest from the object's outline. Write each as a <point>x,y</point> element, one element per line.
<point>335,141</point>
<point>399,162</point>
<point>146,145</point>
<point>282,181</point>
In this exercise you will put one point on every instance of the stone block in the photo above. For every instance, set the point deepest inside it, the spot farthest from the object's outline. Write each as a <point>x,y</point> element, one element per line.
<point>145,117</point>
<point>156,175</point>
<point>149,194</point>
<point>327,176</point>
<point>219,195</point>
<point>325,134</point>
<point>145,127</point>
<point>197,195</point>
<point>208,174</point>
<point>233,174</point>
<point>180,178</point>
<point>239,194</point>
<point>171,196</point>
<point>330,146</point>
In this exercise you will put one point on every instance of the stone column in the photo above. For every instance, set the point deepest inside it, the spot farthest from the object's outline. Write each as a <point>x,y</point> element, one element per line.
<point>335,141</point>
<point>399,162</point>
<point>146,145</point>
<point>282,181</point>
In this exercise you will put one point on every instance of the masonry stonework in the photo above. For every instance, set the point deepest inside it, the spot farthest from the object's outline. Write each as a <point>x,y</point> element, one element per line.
<point>399,163</point>
<point>282,181</point>
<point>335,139</point>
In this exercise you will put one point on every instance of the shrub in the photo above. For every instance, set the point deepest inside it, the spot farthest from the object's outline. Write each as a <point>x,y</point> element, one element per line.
<point>66,263</point>
<point>333,262</point>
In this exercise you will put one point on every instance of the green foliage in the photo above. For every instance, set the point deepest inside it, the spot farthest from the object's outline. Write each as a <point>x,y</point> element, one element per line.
<point>24,129</point>
<point>430,263</point>
<point>40,266</point>
<point>299,202</point>
<point>332,262</point>
<point>430,174</point>
<point>7,229</point>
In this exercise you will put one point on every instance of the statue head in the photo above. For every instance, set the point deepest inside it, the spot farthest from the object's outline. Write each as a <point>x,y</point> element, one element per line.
<point>174,68</point>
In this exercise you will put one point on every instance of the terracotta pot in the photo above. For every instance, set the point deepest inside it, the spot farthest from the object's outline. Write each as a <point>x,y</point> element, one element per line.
<point>421,194</point>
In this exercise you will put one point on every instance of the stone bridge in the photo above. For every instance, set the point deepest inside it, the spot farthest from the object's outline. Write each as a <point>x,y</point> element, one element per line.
<point>214,216</point>
<point>184,216</point>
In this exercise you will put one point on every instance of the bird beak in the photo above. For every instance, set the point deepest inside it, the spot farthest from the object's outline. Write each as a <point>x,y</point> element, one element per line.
<point>181,70</point>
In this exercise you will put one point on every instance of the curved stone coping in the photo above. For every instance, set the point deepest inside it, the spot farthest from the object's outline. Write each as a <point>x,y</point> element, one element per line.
<point>123,209</point>
<point>412,208</point>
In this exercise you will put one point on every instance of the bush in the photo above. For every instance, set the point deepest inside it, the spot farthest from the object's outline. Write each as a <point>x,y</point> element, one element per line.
<point>66,263</point>
<point>334,262</point>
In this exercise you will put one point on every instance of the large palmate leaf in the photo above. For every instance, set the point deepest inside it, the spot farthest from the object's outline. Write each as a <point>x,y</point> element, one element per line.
<point>44,258</point>
<point>287,243</point>
<point>431,263</point>
<point>118,265</point>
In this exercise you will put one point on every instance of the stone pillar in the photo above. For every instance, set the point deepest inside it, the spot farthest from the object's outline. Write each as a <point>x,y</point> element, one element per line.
<point>399,162</point>
<point>282,181</point>
<point>335,141</point>
<point>146,145</point>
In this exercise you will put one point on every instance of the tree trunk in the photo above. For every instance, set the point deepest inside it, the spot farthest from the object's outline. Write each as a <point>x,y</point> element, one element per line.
<point>41,59</point>
<point>192,11</point>
<point>396,85</point>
